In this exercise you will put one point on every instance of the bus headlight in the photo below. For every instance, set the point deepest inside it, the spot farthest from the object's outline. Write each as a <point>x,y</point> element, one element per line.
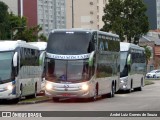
<point>122,81</point>
<point>85,87</point>
<point>48,86</point>
<point>10,87</point>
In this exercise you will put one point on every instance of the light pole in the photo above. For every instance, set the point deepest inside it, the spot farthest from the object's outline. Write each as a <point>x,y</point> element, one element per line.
<point>72,14</point>
<point>21,3</point>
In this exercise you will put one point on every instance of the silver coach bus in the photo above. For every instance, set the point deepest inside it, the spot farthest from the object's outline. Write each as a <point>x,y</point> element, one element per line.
<point>132,67</point>
<point>82,64</point>
<point>20,71</point>
<point>42,48</point>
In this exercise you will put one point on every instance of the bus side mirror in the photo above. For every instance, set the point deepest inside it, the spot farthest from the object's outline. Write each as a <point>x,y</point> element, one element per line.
<point>129,62</point>
<point>91,59</point>
<point>129,59</point>
<point>41,58</point>
<point>15,58</point>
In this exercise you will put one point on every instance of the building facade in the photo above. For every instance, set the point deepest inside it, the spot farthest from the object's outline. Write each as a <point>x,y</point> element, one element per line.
<point>50,14</point>
<point>152,41</point>
<point>86,13</point>
<point>12,6</point>
<point>153,13</point>
<point>55,14</point>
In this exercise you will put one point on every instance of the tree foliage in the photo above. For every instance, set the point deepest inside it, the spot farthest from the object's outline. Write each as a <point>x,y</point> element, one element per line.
<point>30,34</point>
<point>112,17</point>
<point>126,18</point>
<point>15,27</point>
<point>148,53</point>
<point>3,20</point>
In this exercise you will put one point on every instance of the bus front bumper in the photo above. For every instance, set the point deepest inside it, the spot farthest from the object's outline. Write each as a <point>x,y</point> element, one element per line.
<point>7,91</point>
<point>72,91</point>
<point>7,95</point>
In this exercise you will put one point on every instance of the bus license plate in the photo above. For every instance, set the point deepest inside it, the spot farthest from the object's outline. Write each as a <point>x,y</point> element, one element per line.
<point>66,95</point>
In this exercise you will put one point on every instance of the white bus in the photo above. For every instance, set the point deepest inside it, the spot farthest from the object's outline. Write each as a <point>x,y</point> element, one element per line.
<point>132,67</point>
<point>82,64</point>
<point>42,47</point>
<point>20,72</point>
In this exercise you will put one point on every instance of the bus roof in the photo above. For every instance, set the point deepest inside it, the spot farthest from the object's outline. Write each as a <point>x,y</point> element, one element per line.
<point>84,30</point>
<point>124,46</point>
<point>8,45</point>
<point>40,45</point>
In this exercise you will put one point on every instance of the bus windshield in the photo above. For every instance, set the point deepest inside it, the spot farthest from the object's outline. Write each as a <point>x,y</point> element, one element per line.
<point>67,71</point>
<point>5,66</point>
<point>68,43</point>
<point>123,64</point>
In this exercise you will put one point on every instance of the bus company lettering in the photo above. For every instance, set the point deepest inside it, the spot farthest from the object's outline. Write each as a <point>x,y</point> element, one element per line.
<point>68,57</point>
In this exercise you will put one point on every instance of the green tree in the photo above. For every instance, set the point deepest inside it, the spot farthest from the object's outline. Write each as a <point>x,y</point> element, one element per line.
<point>30,34</point>
<point>126,18</point>
<point>3,20</point>
<point>136,22</point>
<point>113,18</point>
<point>15,27</point>
<point>42,37</point>
<point>148,53</point>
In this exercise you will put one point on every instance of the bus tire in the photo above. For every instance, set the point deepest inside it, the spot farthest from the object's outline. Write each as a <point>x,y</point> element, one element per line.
<point>21,89</point>
<point>94,98</point>
<point>112,93</point>
<point>130,89</point>
<point>140,88</point>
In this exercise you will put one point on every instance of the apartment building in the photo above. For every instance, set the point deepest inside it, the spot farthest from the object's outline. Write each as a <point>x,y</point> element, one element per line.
<point>50,14</point>
<point>85,13</point>
<point>53,14</point>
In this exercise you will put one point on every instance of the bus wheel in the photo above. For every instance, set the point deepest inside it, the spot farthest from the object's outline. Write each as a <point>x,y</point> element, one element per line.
<point>112,93</point>
<point>20,96</point>
<point>130,89</point>
<point>35,91</point>
<point>94,98</point>
<point>140,88</point>
<point>55,99</point>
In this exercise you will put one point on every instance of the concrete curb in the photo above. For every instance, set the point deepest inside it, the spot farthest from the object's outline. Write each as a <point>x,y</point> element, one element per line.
<point>34,101</point>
